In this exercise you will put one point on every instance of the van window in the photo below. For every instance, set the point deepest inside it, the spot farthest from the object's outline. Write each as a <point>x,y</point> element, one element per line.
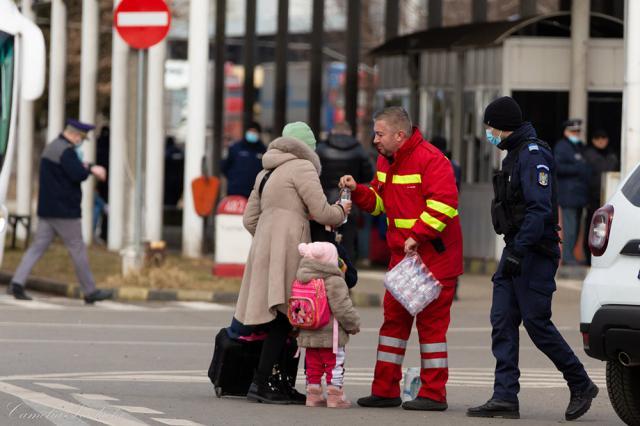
<point>631,188</point>
<point>6,90</point>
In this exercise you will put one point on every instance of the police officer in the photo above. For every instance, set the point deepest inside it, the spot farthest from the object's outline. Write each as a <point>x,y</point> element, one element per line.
<point>524,210</point>
<point>62,171</point>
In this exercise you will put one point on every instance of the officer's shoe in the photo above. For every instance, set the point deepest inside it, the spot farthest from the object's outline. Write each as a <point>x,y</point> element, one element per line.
<point>581,401</point>
<point>496,408</point>
<point>424,404</point>
<point>267,393</point>
<point>97,296</point>
<point>379,402</point>
<point>18,292</point>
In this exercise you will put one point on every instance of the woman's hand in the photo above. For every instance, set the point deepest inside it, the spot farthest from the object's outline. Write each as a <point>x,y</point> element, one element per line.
<point>346,206</point>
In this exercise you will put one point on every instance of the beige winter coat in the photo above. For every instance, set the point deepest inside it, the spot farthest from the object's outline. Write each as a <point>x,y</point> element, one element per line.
<point>279,221</point>
<point>339,302</point>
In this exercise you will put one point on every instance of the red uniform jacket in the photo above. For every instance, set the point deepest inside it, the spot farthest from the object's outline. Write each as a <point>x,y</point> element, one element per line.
<point>417,190</point>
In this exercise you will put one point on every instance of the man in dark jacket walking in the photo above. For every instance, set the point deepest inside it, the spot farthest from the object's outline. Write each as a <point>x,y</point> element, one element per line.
<point>342,154</point>
<point>573,185</point>
<point>244,162</point>
<point>59,213</point>
<point>601,160</point>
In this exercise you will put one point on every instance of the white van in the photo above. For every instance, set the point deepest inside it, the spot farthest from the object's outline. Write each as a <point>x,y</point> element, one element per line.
<point>610,303</point>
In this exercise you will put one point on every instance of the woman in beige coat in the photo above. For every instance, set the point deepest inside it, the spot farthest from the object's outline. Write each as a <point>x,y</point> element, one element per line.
<point>278,219</point>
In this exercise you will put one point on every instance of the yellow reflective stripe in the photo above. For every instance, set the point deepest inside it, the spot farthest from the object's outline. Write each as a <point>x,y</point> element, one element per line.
<point>382,176</point>
<point>406,179</point>
<point>442,208</point>
<point>379,204</point>
<point>404,223</point>
<point>432,221</point>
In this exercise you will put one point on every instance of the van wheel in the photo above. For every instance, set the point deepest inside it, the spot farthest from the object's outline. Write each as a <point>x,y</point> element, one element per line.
<point>623,385</point>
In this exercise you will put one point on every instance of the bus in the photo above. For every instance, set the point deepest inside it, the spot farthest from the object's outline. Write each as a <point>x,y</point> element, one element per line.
<point>22,73</point>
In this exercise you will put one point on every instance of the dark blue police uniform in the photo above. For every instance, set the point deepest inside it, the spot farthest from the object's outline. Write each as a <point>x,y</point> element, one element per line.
<point>525,211</point>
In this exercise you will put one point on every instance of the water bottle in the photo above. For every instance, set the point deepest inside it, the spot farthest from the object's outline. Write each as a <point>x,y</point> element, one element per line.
<point>345,195</point>
<point>411,384</point>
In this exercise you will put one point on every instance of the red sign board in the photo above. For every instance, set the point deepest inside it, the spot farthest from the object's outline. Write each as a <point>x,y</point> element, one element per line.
<point>142,23</point>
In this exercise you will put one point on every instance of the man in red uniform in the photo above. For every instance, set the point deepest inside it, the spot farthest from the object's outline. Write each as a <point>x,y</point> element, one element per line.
<point>415,186</point>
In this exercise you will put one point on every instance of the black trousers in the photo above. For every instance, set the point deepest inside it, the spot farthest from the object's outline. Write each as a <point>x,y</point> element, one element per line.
<point>273,347</point>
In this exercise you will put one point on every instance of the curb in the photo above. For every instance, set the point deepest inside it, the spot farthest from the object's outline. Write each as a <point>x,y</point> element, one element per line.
<point>141,294</point>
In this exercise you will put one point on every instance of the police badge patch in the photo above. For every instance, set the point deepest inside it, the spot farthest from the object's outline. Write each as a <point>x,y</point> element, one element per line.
<point>543,175</point>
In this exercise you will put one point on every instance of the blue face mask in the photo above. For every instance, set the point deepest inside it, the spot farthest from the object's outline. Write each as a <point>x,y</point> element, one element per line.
<point>574,139</point>
<point>493,140</point>
<point>79,152</point>
<point>251,137</point>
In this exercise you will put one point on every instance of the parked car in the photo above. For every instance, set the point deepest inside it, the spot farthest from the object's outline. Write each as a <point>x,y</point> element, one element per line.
<point>610,302</point>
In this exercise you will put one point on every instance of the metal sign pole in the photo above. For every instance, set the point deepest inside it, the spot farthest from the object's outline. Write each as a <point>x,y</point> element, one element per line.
<point>137,232</point>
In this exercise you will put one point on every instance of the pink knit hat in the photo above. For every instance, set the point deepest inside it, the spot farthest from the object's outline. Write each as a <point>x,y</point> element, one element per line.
<point>320,251</point>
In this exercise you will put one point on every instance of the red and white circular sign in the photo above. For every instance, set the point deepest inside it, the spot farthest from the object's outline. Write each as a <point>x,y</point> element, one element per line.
<point>142,23</point>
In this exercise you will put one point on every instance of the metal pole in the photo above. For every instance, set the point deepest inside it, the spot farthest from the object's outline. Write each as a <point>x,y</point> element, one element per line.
<point>528,8</point>
<point>434,18</point>
<point>391,19</point>
<point>139,203</point>
<point>57,69</point>
<point>479,10</point>
<point>578,94</point>
<point>88,78</point>
<point>24,166</point>
<point>119,139</point>
<point>280,91</point>
<point>155,142</point>
<point>353,60</point>
<point>198,55</point>
<point>249,52</point>
<point>316,67</point>
<point>218,90</point>
<point>630,149</point>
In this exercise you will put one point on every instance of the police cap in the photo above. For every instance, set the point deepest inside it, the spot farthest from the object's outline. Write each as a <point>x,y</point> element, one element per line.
<point>572,124</point>
<point>79,126</point>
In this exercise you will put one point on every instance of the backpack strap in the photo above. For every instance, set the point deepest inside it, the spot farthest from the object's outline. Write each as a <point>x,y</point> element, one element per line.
<point>263,182</point>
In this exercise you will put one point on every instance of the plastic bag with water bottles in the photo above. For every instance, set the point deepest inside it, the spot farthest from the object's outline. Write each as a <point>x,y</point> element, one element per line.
<point>412,284</point>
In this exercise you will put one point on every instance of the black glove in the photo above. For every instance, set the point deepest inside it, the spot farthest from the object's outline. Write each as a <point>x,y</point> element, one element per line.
<point>512,262</point>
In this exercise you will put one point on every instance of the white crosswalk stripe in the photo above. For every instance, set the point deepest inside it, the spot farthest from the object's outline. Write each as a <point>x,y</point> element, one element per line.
<point>472,377</point>
<point>63,303</point>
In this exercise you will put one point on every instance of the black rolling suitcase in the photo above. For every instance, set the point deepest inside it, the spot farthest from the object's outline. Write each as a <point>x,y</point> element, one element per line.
<point>235,361</point>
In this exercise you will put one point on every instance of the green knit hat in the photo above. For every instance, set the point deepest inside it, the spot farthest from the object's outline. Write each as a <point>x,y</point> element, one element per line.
<point>300,131</point>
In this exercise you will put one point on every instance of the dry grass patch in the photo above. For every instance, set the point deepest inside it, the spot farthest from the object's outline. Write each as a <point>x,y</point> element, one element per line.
<point>175,273</point>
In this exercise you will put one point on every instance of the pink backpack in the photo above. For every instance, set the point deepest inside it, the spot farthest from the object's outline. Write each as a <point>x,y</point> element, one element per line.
<point>308,305</point>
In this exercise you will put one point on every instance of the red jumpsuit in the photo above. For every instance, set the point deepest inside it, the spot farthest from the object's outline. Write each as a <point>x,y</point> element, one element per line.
<point>417,191</point>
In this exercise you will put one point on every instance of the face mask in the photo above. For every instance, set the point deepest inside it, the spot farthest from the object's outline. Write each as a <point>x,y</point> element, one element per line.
<point>79,152</point>
<point>574,139</point>
<point>251,137</point>
<point>494,140</point>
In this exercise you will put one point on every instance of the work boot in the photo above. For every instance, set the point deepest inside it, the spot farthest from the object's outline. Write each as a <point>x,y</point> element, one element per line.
<point>18,292</point>
<point>424,404</point>
<point>580,401</point>
<point>285,386</point>
<point>496,408</point>
<point>267,393</point>
<point>379,402</point>
<point>315,398</point>
<point>336,398</point>
<point>97,296</point>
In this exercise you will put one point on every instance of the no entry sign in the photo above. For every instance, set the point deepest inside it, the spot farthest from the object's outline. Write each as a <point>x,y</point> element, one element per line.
<point>142,23</point>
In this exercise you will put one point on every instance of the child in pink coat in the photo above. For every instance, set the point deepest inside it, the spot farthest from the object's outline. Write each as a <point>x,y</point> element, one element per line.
<point>320,260</point>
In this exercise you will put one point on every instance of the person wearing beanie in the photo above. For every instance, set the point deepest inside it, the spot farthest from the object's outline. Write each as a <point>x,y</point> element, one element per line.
<point>525,212</point>
<point>574,175</point>
<point>285,194</point>
<point>300,131</point>
<point>244,161</point>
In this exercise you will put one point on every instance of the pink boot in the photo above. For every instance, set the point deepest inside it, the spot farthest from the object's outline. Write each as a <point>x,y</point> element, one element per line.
<point>336,398</point>
<point>315,398</point>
